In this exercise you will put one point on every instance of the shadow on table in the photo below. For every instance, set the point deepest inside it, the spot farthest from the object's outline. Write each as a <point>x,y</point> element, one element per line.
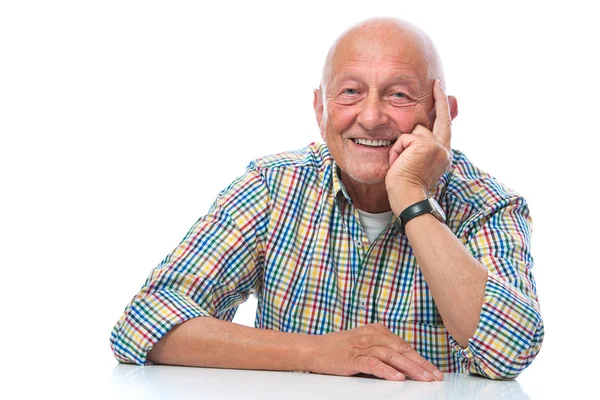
<point>163,382</point>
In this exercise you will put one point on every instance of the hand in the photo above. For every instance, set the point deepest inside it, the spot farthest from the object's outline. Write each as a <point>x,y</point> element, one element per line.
<point>419,159</point>
<point>371,349</point>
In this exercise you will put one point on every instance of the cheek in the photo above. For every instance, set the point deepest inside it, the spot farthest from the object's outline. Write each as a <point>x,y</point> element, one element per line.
<point>341,118</point>
<point>407,119</point>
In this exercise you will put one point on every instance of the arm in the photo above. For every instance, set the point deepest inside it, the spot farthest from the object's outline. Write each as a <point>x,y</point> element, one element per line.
<point>456,279</point>
<point>213,270</point>
<point>210,342</point>
<point>182,314</point>
<point>483,288</point>
<point>216,266</point>
<point>371,349</point>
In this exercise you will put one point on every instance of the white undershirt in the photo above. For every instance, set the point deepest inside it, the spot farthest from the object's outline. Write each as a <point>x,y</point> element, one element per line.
<point>373,224</point>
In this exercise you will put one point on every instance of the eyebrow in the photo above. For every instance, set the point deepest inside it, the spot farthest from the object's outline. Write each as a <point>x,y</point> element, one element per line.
<point>411,80</point>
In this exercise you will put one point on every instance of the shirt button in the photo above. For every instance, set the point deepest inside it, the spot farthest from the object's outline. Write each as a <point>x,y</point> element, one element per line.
<point>362,304</point>
<point>358,244</point>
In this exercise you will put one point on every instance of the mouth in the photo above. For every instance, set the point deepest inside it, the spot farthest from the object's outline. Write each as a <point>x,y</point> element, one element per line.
<point>373,143</point>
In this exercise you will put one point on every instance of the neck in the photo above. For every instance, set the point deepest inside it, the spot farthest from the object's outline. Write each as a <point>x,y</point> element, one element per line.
<point>372,198</point>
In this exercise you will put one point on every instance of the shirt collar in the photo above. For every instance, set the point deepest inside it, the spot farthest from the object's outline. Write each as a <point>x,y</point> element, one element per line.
<point>338,185</point>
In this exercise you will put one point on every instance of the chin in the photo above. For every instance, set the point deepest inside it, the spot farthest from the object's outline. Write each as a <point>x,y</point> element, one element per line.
<point>369,176</point>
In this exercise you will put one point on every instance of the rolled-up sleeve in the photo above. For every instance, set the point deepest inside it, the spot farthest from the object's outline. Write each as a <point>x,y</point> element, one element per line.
<point>510,330</point>
<point>215,268</point>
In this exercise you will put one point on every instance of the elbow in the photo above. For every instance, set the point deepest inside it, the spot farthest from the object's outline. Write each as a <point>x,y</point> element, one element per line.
<point>501,360</point>
<point>124,353</point>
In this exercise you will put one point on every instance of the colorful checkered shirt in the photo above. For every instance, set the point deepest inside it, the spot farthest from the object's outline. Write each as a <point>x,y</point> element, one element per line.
<point>287,231</point>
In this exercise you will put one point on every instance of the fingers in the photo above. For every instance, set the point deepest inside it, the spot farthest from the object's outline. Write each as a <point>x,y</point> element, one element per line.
<point>413,355</point>
<point>385,354</point>
<point>404,140</point>
<point>400,346</point>
<point>401,144</point>
<point>374,366</point>
<point>401,363</point>
<point>443,121</point>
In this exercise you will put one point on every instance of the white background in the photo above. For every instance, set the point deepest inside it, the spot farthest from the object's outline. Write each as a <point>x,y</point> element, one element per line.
<point>120,121</point>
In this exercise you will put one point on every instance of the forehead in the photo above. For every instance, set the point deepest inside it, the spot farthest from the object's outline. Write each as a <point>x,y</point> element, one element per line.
<point>380,51</point>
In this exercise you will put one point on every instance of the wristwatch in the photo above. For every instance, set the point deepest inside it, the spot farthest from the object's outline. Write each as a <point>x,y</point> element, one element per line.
<point>427,206</point>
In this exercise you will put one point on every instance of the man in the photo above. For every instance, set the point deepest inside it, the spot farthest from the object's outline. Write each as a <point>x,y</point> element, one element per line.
<point>343,285</point>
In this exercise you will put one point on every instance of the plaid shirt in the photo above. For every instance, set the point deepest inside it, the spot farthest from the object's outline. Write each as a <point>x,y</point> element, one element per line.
<point>288,232</point>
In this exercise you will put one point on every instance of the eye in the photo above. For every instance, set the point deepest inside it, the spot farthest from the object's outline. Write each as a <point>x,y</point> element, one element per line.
<point>399,95</point>
<point>350,91</point>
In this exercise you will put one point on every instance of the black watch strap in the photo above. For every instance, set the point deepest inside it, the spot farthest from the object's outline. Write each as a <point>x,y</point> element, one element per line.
<point>420,208</point>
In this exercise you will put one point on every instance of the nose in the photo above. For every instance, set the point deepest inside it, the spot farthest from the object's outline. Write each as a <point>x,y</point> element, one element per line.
<point>371,114</point>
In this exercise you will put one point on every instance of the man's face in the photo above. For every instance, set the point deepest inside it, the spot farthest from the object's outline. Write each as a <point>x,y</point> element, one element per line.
<point>378,88</point>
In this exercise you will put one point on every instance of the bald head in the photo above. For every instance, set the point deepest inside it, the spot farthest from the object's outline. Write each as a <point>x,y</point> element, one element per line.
<point>384,36</point>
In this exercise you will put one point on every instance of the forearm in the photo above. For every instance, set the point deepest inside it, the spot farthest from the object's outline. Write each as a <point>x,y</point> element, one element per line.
<point>456,279</point>
<point>210,342</point>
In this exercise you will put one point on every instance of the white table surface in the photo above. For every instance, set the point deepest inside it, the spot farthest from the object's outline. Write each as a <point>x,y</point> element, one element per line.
<point>162,382</point>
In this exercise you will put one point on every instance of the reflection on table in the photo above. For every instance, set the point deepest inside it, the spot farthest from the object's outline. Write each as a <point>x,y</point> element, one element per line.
<point>162,382</point>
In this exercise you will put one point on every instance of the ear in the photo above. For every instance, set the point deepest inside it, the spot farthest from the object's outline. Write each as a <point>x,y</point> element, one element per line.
<point>453,104</point>
<point>318,107</point>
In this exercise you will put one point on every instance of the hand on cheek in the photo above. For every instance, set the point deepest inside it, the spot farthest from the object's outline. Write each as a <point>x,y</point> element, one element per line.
<point>419,158</point>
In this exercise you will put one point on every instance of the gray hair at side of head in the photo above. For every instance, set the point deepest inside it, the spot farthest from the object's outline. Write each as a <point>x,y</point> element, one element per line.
<point>435,70</point>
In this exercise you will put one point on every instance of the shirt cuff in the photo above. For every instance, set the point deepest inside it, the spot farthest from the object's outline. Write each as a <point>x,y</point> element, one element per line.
<point>508,337</point>
<point>147,320</point>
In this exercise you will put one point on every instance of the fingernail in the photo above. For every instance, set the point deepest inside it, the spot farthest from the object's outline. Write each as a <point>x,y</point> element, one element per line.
<point>427,375</point>
<point>438,374</point>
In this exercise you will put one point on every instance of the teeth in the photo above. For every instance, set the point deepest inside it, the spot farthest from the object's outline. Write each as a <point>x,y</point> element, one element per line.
<point>373,143</point>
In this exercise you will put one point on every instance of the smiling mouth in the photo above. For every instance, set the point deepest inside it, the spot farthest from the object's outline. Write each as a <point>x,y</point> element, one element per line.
<point>373,143</point>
